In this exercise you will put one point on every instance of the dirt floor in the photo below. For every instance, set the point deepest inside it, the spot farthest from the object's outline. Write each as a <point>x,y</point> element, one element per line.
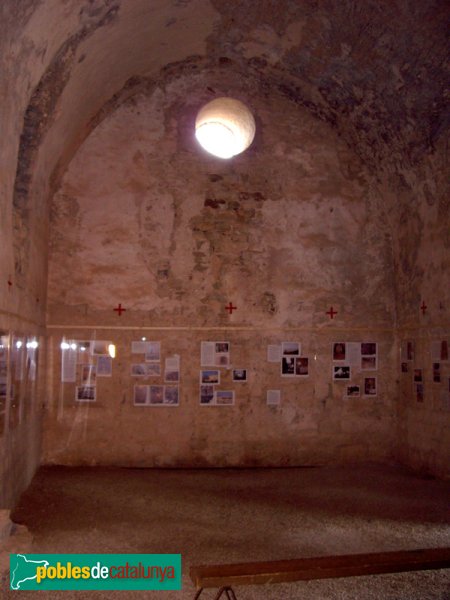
<point>235,515</point>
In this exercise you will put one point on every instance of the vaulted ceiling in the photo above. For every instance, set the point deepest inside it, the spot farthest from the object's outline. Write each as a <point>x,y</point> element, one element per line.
<point>375,70</point>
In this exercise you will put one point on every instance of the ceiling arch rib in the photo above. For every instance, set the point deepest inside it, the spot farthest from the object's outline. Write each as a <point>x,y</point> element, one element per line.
<point>113,43</point>
<point>372,74</point>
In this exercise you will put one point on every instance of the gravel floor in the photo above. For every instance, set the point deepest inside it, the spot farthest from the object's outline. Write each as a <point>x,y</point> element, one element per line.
<point>234,515</point>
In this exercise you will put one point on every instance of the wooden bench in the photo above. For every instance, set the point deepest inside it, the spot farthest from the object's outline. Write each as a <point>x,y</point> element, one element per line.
<point>320,567</point>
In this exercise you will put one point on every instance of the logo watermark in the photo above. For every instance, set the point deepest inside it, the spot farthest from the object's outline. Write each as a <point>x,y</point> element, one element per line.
<point>95,571</point>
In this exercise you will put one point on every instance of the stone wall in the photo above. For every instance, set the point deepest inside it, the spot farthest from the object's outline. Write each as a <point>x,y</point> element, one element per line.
<point>423,265</point>
<point>314,424</point>
<point>292,227</point>
<point>341,201</point>
<point>23,257</point>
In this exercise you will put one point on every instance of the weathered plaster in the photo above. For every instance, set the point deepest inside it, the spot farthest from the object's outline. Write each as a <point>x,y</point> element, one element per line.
<point>314,425</point>
<point>374,73</point>
<point>283,231</point>
<point>423,267</point>
<point>194,227</point>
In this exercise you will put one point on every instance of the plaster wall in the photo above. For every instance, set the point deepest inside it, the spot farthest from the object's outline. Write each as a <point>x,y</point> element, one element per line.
<point>293,226</point>
<point>24,56</point>
<point>284,231</point>
<point>423,267</point>
<point>314,424</point>
<point>21,390</point>
<point>25,53</point>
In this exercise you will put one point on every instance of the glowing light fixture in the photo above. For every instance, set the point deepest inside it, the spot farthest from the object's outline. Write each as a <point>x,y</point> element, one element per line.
<point>225,127</point>
<point>112,350</point>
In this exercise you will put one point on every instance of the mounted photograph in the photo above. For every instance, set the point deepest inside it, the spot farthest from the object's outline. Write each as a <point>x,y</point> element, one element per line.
<point>210,376</point>
<point>353,391</point>
<point>341,373</point>
<point>239,374</point>
<point>85,393</point>
<point>156,395</point>
<point>288,366</point>
<point>140,395</point>
<point>153,352</point>
<point>224,397</point>
<point>290,348</point>
<point>171,395</point>
<point>206,394</point>
<point>339,351</point>
<point>370,386</point>
<point>302,366</point>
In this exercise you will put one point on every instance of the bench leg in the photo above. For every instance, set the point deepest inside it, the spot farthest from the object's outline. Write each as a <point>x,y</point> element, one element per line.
<point>229,593</point>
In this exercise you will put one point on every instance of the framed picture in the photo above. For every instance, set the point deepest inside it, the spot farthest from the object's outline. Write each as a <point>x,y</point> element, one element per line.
<point>85,393</point>
<point>153,352</point>
<point>369,363</point>
<point>140,395</point>
<point>222,347</point>
<point>104,366</point>
<point>224,397</point>
<point>353,391</point>
<point>290,348</point>
<point>172,375</point>
<point>288,366</point>
<point>138,347</point>
<point>153,369</point>
<point>273,397</point>
<point>206,394</point>
<point>139,370</point>
<point>222,360</point>
<point>339,352</point>
<point>302,366</point>
<point>156,395</point>
<point>171,395</point>
<point>210,376</point>
<point>341,373</point>
<point>368,348</point>
<point>239,374</point>
<point>88,375</point>
<point>370,386</point>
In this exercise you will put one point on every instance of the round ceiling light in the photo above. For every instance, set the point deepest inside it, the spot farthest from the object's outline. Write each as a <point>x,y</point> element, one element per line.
<point>225,127</point>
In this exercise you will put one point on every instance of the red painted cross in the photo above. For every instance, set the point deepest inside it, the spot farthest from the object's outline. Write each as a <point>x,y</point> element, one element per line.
<point>230,308</point>
<point>331,312</point>
<point>424,307</point>
<point>119,309</point>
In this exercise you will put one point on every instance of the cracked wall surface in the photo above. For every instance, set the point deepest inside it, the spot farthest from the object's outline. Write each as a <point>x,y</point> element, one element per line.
<point>369,78</point>
<point>145,218</point>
